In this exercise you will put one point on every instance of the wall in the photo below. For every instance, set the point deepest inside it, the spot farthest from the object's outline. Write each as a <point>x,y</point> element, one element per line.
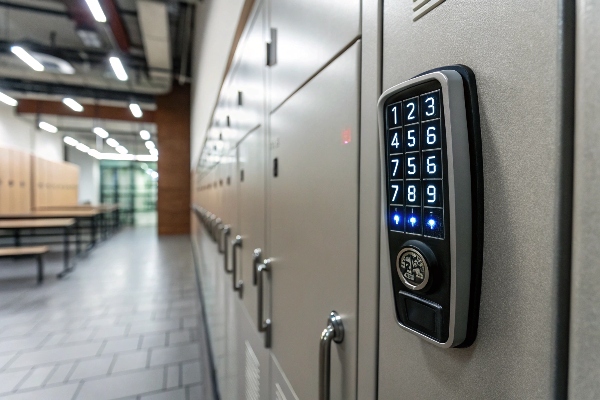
<point>89,175</point>
<point>216,25</point>
<point>173,127</point>
<point>22,134</point>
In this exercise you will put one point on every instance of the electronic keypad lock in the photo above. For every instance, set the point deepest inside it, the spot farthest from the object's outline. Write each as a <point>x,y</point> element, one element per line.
<point>433,186</point>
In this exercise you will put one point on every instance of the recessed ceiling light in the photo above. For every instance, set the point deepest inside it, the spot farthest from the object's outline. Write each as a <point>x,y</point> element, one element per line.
<point>100,132</point>
<point>27,58</point>
<point>136,110</point>
<point>70,141</point>
<point>72,104</point>
<point>47,127</point>
<point>112,142</point>
<point>119,70</point>
<point>6,99</point>
<point>144,134</point>
<point>96,10</point>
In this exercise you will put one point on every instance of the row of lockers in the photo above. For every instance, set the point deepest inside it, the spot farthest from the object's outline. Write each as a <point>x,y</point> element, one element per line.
<point>28,182</point>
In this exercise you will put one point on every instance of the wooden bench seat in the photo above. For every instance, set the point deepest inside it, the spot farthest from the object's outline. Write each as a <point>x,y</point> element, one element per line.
<point>27,251</point>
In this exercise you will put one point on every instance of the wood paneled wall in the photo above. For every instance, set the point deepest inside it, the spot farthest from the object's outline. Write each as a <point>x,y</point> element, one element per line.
<point>27,182</point>
<point>172,119</point>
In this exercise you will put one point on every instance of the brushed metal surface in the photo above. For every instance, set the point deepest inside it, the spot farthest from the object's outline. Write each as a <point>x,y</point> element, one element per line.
<point>584,363</point>
<point>514,49</point>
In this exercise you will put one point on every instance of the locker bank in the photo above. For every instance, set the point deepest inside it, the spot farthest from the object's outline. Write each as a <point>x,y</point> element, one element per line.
<point>299,199</point>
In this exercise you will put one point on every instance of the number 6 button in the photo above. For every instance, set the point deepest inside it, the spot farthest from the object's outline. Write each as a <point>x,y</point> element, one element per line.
<point>432,164</point>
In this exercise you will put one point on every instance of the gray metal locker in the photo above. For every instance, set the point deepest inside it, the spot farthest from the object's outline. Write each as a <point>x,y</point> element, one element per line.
<point>584,349</point>
<point>307,35</point>
<point>517,52</point>
<point>313,230</point>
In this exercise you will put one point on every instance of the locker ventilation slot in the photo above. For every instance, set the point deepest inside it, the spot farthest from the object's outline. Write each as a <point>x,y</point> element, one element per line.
<point>252,374</point>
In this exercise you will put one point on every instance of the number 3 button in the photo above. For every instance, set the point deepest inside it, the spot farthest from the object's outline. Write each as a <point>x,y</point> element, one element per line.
<point>430,105</point>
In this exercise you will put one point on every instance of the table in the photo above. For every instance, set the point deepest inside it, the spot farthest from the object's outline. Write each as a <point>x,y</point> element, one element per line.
<point>17,225</point>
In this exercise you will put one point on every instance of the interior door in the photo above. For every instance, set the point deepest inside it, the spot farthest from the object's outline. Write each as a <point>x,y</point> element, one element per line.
<point>526,138</point>
<point>313,229</point>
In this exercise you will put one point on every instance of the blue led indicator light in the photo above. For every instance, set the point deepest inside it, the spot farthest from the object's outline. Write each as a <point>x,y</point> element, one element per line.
<point>431,223</point>
<point>396,219</point>
<point>412,221</point>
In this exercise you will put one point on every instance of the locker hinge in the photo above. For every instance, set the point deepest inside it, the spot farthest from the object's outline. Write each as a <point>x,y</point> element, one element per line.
<point>272,48</point>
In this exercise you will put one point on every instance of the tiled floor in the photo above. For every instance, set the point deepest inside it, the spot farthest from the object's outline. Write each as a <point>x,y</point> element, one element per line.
<point>123,325</point>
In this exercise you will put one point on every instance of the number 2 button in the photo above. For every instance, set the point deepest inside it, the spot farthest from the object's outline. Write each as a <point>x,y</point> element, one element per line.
<point>411,111</point>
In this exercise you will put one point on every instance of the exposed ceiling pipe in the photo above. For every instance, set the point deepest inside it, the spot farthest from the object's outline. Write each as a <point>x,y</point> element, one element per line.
<point>154,26</point>
<point>185,48</point>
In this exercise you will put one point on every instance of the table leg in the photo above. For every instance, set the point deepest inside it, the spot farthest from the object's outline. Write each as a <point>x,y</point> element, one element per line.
<point>94,231</point>
<point>17,237</point>
<point>77,237</point>
<point>66,266</point>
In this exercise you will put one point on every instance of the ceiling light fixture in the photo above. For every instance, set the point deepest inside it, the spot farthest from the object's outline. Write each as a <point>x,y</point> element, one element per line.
<point>150,145</point>
<point>47,127</point>
<point>94,153</point>
<point>100,132</point>
<point>27,58</point>
<point>70,141</point>
<point>119,70</point>
<point>121,150</point>
<point>96,10</point>
<point>6,99</point>
<point>144,134</point>
<point>82,147</point>
<point>136,110</point>
<point>72,104</point>
<point>153,152</point>
<point>112,142</point>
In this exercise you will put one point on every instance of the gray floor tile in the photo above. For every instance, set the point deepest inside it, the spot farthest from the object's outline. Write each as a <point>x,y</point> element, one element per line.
<point>123,385</point>
<point>176,394</point>
<point>36,378</point>
<point>131,361</point>
<point>175,354</point>
<point>190,322</point>
<point>106,332</point>
<point>5,358</point>
<point>90,368</point>
<point>8,380</point>
<point>56,355</point>
<point>55,339</point>
<point>121,344</point>
<point>173,376</point>
<point>60,374</point>
<point>182,336</point>
<point>154,340</point>
<point>55,393</point>
<point>191,373</point>
<point>24,343</point>
<point>79,336</point>
<point>196,393</point>
<point>156,326</point>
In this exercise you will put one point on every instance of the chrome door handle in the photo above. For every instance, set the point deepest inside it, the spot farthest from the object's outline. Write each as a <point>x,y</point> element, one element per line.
<point>225,231</point>
<point>216,227</point>
<point>237,284</point>
<point>335,332</point>
<point>264,325</point>
<point>255,263</point>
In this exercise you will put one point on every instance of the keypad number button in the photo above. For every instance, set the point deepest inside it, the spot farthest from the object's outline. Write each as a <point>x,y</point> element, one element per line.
<point>411,137</point>
<point>396,192</point>
<point>432,164</point>
<point>413,193</point>
<point>411,110</point>
<point>395,141</point>
<point>430,105</point>
<point>394,115</point>
<point>432,194</point>
<point>396,167</point>
<point>431,135</point>
<point>413,165</point>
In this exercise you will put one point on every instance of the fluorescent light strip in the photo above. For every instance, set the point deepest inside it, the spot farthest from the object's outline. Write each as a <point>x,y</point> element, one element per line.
<point>6,99</point>
<point>150,145</point>
<point>123,157</point>
<point>136,110</point>
<point>112,142</point>
<point>47,127</point>
<point>72,104</point>
<point>82,147</point>
<point>70,141</point>
<point>118,69</point>
<point>96,10</point>
<point>144,134</point>
<point>27,58</point>
<point>100,132</point>
<point>121,150</point>
<point>153,152</point>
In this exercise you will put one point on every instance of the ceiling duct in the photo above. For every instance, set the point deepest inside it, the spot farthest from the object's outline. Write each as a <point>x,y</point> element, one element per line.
<point>154,24</point>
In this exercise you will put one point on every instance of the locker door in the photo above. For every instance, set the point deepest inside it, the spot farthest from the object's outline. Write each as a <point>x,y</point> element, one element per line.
<point>526,140</point>
<point>250,176</point>
<point>309,33</point>
<point>25,182</point>
<point>14,173</point>
<point>4,177</point>
<point>313,229</point>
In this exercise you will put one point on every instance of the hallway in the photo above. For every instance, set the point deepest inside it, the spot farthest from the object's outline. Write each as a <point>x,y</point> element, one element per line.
<point>123,325</point>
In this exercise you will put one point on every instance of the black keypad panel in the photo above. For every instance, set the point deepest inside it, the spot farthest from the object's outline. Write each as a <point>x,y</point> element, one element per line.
<point>416,165</point>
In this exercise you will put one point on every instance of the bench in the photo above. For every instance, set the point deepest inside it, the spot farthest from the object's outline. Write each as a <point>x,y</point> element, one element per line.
<point>29,251</point>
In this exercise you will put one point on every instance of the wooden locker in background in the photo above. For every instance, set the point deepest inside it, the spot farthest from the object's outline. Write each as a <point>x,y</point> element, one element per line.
<point>4,202</point>
<point>13,178</point>
<point>25,184</point>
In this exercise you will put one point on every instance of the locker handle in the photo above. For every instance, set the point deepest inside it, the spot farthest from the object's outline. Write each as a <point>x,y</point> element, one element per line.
<point>216,228</point>
<point>264,325</point>
<point>333,332</point>
<point>255,263</point>
<point>237,284</point>
<point>225,231</point>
